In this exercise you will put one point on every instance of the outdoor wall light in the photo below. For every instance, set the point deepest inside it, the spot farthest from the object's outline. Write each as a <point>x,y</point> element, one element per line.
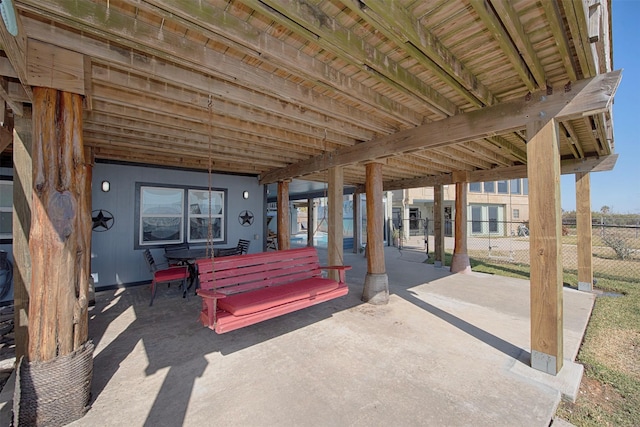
<point>105,186</point>
<point>245,194</point>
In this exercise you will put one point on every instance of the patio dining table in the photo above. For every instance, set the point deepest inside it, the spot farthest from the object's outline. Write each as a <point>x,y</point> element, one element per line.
<point>188,257</point>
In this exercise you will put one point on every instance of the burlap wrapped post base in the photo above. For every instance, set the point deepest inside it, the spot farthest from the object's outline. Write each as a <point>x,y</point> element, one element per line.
<point>55,392</point>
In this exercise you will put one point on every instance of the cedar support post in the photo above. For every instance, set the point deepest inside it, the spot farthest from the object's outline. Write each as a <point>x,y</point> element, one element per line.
<point>438,228</point>
<point>22,195</point>
<point>543,170</point>
<point>335,225</point>
<point>583,227</point>
<point>376,284</point>
<point>284,218</point>
<point>460,261</point>
<point>357,238</point>
<point>60,220</point>
<point>310,222</point>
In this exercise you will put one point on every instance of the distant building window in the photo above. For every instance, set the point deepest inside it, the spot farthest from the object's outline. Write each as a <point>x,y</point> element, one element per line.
<point>525,186</point>
<point>516,214</point>
<point>476,219</point>
<point>475,187</point>
<point>515,186</point>
<point>490,187</point>
<point>6,209</point>
<point>503,187</point>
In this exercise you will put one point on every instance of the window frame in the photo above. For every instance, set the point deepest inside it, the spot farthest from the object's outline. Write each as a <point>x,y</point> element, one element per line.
<point>185,215</point>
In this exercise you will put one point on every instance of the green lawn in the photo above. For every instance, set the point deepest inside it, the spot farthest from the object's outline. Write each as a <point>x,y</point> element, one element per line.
<point>610,390</point>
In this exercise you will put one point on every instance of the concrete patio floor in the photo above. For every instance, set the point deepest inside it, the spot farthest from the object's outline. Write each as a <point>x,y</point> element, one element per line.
<point>447,350</point>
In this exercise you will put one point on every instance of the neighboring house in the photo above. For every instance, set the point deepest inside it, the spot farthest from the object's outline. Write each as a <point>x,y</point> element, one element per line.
<point>493,207</point>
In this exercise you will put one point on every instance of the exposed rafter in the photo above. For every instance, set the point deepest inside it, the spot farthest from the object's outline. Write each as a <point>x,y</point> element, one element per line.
<point>587,97</point>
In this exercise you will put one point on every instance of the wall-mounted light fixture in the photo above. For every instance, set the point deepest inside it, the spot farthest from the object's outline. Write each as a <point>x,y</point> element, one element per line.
<point>245,194</point>
<point>105,186</point>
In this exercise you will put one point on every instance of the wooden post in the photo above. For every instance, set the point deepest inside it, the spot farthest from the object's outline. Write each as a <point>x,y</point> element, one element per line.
<point>438,228</point>
<point>81,333</point>
<point>284,220</point>
<point>22,194</point>
<point>460,261</point>
<point>583,227</point>
<point>545,238</point>
<point>59,216</point>
<point>357,239</point>
<point>310,222</point>
<point>376,284</point>
<point>335,225</point>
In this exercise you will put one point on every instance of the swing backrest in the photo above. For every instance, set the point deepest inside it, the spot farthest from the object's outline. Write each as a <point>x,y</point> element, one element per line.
<point>241,273</point>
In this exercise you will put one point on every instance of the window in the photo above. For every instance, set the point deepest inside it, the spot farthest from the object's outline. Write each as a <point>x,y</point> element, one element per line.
<point>490,187</point>
<point>199,215</point>
<point>475,187</point>
<point>515,186</point>
<point>515,214</point>
<point>493,219</point>
<point>163,217</point>
<point>525,186</point>
<point>6,209</point>
<point>503,187</point>
<point>476,219</point>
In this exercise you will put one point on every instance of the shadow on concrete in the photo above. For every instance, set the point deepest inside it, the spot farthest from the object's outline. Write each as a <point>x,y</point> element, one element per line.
<point>173,338</point>
<point>488,338</point>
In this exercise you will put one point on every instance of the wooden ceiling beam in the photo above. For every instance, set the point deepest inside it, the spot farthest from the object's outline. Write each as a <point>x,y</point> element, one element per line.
<point>126,31</point>
<point>310,22</point>
<point>494,24</point>
<point>181,108</point>
<point>599,164</point>
<point>486,153</point>
<point>424,47</point>
<point>231,125</point>
<point>514,27</point>
<point>586,97</point>
<point>575,13</point>
<point>572,137</point>
<point>199,133</point>
<point>554,18</point>
<point>221,26</point>
<point>333,129</point>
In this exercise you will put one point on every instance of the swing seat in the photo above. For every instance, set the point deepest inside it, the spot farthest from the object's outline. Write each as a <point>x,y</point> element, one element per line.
<point>239,291</point>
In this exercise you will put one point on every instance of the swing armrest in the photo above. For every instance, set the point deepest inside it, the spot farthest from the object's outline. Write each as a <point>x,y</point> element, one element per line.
<point>210,298</point>
<point>341,270</point>
<point>210,294</point>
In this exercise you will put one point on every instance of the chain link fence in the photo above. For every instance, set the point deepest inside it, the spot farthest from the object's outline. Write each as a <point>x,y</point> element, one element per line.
<point>615,248</point>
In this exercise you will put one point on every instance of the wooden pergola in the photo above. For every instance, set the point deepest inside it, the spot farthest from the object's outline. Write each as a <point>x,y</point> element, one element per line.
<point>380,95</point>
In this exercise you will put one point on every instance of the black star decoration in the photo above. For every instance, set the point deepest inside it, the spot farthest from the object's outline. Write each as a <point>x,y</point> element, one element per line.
<point>245,218</point>
<point>102,222</point>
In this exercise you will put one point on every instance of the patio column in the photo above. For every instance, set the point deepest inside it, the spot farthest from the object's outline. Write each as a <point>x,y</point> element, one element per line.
<point>376,283</point>
<point>310,222</point>
<point>335,219</point>
<point>438,228</point>
<point>583,227</point>
<point>357,237</point>
<point>22,195</point>
<point>545,240</point>
<point>460,261</point>
<point>284,220</point>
